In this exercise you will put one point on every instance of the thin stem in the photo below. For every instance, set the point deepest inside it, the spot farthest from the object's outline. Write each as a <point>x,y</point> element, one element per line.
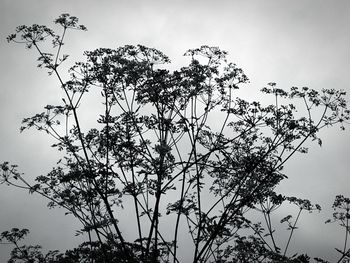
<point>291,232</point>
<point>346,229</point>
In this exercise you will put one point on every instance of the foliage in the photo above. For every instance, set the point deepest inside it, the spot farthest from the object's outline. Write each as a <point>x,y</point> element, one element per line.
<point>177,149</point>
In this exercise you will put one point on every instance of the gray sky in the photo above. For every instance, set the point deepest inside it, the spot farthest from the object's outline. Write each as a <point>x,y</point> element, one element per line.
<point>293,43</point>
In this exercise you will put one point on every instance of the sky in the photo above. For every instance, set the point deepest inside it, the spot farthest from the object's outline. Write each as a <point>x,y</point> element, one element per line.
<point>292,43</point>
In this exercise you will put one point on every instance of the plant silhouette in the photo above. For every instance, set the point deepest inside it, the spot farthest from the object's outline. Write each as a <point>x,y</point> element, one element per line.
<point>175,151</point>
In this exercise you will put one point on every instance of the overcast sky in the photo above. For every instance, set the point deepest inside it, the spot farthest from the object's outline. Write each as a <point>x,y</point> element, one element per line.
<point>293,43</point>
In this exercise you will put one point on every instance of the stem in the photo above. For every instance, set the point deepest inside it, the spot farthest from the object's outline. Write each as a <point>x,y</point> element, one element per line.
<point>180,205</point>
<point>60,44</point>
<point>266,212</point>
<point>198,174</point>
<point>346,229</point>
<point>134,194</point>
<point>291,232</point>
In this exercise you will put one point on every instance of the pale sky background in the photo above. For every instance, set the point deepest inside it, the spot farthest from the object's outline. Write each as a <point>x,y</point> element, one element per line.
<point>293,43</point>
